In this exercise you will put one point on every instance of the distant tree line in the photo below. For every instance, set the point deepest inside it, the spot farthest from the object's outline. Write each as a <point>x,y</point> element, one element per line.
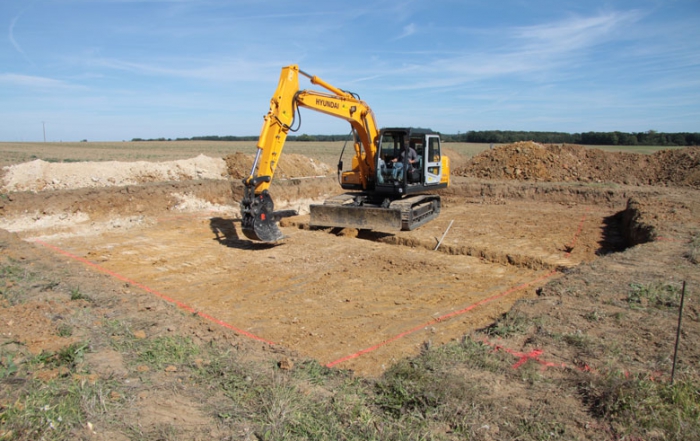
<point>650,137</point>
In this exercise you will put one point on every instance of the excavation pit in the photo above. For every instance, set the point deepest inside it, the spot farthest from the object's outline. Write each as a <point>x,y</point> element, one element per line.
<point>346,302</point>
<point>330,295</point>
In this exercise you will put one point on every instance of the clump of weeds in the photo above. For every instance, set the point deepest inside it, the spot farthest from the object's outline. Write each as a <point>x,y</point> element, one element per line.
<point>76,294</point>
<point>637,406</point>
<point>653,294</point>
<point>693,253</point>
<point>511,323</point>
<point>54,407</point>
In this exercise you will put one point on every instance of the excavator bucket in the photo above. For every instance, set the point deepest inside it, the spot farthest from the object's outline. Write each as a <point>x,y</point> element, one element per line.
<point>259,220</point>
<point>353,216</point>
<point>262,229</point>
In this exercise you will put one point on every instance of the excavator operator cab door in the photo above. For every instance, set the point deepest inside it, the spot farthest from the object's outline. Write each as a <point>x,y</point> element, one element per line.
<point>389,150</point>
<point>432,166</point>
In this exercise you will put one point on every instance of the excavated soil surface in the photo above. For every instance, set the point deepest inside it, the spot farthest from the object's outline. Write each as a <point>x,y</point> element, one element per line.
<point>515,219</point>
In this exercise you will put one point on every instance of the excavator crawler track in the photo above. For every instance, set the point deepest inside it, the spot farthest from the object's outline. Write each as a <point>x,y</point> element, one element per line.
<point>417,210</point>
<point>405,214</point>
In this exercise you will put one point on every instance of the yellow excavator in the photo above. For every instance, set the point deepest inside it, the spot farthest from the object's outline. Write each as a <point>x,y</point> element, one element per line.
<point>392,168</point>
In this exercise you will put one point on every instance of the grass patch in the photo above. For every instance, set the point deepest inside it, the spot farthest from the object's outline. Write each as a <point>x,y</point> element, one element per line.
<point>13,280</point>
<point>578,340</point>
<point>161,351</point>
<point>693,253</point>
<point>307,402</point>
<point>57,410</point>
<point>7,366</point>
<point>412,389</point>
<point>315,373</point>
<point>637,407</point>
<point>594,316</point>
<point>64,330</point>
<point>32,408</point>
<point>655,294</point>
<point>45,411</point>
<point>76,294</point>
<point>156,352</point>
<point>117,328</point>
<point>510,324</point>
<point>67,357</point>
<point>415,399</point>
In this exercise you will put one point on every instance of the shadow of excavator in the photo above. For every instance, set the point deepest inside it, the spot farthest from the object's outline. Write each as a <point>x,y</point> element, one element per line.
<point>226,233</point>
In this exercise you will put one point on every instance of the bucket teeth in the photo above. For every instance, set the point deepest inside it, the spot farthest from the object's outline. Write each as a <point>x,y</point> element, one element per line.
<point>262,231</point>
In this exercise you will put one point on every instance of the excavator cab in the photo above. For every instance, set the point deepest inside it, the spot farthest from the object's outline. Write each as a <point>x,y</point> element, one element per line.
<point>395,175</point>
<point>396,195</point>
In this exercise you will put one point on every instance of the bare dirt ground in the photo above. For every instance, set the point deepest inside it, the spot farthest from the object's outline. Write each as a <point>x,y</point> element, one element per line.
<point>526,229</point>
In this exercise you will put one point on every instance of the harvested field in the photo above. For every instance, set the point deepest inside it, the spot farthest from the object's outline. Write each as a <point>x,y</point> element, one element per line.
<point>523,226</point>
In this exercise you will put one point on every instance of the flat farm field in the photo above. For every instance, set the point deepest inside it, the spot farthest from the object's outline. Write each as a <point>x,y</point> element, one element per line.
<point>543,303</point>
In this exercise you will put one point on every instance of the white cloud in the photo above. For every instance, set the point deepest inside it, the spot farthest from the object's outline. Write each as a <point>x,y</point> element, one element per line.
<point>408,30</point>
<point>32,81</point>
<point>11,36</point>
<point>198,69</point>
<point>534,53</point>
<point>574,33</point>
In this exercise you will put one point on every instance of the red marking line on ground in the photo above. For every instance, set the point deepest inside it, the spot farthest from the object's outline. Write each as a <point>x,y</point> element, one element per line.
<point>667,239</point>
<point>154,292</point>
<point>462,311</point>
<point>442,318</point>
<point>535,355</point>
<point>525,356</point>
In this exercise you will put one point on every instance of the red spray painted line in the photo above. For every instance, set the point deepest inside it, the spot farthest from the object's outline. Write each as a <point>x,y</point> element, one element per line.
<point>462,311</point>
<point>154,292</point>
<point>667,239</point>
<point>440,319</point>
<point>523,356</point>
<point>535,354</point>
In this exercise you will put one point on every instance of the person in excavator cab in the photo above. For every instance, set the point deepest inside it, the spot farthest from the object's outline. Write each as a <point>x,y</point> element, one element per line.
<point>398,168</point>
<point>383,169</point>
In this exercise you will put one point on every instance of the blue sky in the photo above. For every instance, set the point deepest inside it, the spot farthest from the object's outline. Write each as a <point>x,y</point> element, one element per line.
<point>120,69</point>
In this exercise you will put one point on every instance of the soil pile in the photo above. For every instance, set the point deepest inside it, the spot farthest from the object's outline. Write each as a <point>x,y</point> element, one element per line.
<point>40,175</point>
<point>565,162</point>
<point>238,166</point>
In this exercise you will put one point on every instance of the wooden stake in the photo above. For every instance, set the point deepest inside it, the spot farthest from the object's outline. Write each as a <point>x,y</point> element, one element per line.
<point>443,235</point>
<point>678,332</point>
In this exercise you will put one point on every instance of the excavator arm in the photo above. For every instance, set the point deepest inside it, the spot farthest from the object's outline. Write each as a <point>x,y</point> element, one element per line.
<point>259,220</point>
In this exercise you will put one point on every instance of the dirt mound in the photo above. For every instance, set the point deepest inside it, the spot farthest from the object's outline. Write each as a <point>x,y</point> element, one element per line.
<point>40,175</point>
<point>238,166</point>
<point>678,167</point>
<point>564,162</point>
